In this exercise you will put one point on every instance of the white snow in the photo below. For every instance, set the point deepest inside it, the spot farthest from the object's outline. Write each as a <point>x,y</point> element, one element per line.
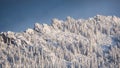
<point>72,43</point>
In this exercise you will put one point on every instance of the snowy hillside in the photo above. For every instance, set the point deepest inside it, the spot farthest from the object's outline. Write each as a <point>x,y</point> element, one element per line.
<point>91,43</point>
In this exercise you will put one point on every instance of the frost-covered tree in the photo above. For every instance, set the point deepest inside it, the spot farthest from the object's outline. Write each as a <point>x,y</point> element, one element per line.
<point>91,43</point>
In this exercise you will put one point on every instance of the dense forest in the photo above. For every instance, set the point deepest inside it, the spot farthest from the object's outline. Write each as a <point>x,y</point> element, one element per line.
<point>70,43</point>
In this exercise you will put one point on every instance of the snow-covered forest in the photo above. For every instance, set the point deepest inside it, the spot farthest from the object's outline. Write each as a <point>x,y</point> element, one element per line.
<point>91,43</point>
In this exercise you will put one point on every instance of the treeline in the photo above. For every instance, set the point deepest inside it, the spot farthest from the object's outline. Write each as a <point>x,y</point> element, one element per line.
<point>92,43</point>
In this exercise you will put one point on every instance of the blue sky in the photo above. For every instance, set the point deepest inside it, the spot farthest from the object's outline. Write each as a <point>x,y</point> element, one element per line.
<point>18,15</point>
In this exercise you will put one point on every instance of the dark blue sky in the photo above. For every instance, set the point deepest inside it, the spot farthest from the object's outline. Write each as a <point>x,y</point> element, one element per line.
<point>17,15</point>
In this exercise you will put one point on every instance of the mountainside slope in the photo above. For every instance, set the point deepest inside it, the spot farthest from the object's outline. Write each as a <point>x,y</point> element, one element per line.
<point>92,43</point>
